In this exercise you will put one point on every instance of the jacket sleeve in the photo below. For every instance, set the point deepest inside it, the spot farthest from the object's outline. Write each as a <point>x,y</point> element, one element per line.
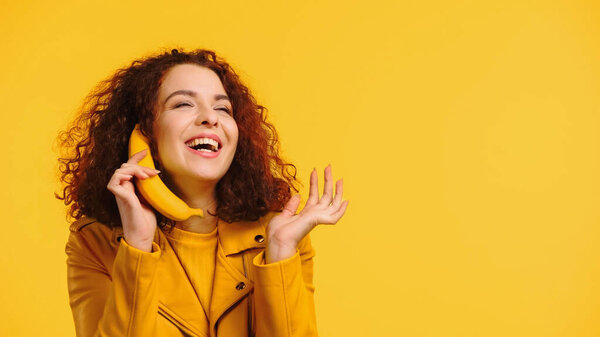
<point>284,294</point>
<point>119,302</point>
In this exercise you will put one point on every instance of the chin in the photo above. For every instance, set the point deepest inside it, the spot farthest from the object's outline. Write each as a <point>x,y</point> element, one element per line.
<point>207,177</point>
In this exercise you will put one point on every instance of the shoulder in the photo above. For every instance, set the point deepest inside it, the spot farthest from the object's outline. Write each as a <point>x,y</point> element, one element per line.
<point>88,225</point>
<point>91,236</point>
<point>78,224</point>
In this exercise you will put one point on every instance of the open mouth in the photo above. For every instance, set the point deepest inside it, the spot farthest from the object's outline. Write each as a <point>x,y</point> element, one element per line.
<point>204,145</point>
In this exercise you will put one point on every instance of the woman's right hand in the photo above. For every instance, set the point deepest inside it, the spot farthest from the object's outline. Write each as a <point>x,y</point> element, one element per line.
<point>138,218</point>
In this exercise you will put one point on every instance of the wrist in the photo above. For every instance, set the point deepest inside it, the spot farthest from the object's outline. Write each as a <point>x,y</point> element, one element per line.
<point>273,255</point>
<point>143,245</point>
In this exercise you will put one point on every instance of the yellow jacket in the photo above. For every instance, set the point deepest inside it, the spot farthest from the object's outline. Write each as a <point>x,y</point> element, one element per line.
<point>118,290</point>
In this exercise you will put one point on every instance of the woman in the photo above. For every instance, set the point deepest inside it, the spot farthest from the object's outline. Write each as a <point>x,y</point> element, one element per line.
<point>245,268</point>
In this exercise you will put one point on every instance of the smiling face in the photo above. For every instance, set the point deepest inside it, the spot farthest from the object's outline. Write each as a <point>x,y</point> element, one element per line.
<point>196,135</point>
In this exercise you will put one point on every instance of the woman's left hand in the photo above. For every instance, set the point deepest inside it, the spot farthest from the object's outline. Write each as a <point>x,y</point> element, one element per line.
<point>287,229</point>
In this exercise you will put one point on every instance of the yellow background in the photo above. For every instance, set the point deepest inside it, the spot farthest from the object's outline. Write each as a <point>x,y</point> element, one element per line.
<point>466,133</point>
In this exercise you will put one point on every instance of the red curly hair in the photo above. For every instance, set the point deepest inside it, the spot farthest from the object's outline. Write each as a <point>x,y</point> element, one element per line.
<point>95,144</point>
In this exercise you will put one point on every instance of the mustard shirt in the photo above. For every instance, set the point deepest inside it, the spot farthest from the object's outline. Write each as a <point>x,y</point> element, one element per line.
<point>197,253</point>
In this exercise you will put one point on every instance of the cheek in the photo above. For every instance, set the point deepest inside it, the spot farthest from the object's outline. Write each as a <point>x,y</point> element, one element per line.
<point>236,133</point>
<point>232,132</point>
<point>166,151</point>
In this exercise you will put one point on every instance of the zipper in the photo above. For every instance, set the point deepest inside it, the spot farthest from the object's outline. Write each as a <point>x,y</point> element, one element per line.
<point>250,325</point>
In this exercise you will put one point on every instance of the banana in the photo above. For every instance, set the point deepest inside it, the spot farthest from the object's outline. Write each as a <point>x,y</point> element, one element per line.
<point>153,189</point>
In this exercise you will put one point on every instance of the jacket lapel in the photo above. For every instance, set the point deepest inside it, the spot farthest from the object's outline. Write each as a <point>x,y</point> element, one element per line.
<point>177,299</point>
<point>231,284</point>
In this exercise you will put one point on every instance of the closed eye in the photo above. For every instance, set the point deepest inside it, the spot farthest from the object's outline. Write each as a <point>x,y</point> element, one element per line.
<point>224,109</point>
<point>182,104</point>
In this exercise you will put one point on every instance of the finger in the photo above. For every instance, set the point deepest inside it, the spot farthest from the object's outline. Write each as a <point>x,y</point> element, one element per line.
<point>313,196</point>
<point>337,215</point>
<point>137,170</point>
<point>114,185</point>
<point>118,187</point>
<point>138,156</point>
<point>126,174</point>
<point>333,218</point>
<point>292,205</point>
<point>327,187</point>
<point>119,178</point>
<point>145,168</point>
<point>339,191</point>
<point>150,170</point>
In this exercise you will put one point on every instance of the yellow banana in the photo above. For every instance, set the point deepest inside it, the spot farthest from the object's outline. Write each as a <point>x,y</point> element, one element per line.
<point>153,189</point>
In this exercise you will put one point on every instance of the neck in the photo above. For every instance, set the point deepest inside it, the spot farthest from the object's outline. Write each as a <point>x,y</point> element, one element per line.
<point>197,195</point>
<point>196,224</point>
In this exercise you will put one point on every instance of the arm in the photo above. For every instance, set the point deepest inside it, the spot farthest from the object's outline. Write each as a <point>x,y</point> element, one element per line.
<point>118,303</point>
<point>284,289</point>
<point>284,294</point>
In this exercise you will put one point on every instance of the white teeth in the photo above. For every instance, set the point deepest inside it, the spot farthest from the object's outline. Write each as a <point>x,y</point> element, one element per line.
<point>198,141</point>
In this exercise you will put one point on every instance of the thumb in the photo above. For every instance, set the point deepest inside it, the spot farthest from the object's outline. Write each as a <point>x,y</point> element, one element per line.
<point>291,206</point>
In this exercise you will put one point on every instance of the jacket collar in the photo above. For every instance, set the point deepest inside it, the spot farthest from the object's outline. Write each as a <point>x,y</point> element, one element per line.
<point>237,237</point>
<point>234,237</point>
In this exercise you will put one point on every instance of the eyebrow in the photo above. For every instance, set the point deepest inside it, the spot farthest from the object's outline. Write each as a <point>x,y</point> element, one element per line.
<point>191,93</point>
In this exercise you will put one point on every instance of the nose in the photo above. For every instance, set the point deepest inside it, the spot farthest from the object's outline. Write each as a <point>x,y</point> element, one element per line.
<point>207,116</point>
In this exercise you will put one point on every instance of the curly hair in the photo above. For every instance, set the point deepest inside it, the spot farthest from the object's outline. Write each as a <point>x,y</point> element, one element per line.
<point>95,144</point>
